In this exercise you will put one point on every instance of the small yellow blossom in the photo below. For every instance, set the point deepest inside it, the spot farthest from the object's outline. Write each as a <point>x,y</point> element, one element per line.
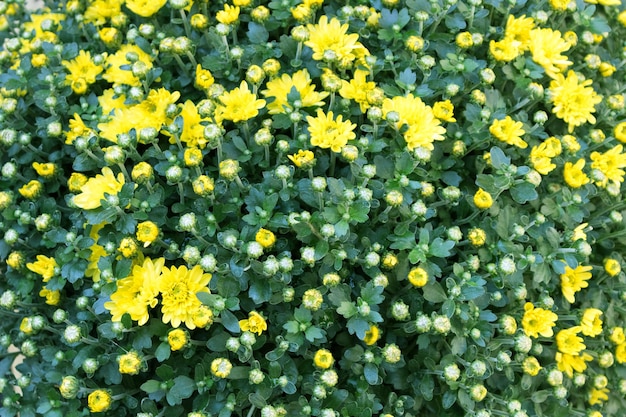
<point>129,363</point>
<point>418,277</point>
<point>265,238</point>
<point>612,267</point>
<point>482,199</point>
<point>99,401</point>
<point>221,367</point>
<point>323,359</point>
<point>177,339</point>
<point>255,323</point>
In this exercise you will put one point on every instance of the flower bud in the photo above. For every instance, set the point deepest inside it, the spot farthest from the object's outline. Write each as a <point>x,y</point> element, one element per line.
<point>69,387</point>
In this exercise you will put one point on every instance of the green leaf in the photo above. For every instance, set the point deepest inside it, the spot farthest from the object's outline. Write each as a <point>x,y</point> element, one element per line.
<point>498,159</point>
<point>370,372</point>
<point>347,309</point>
<point>524,192</point>
<point>448,399</point>
<point>163,352</point>
<point>183,388</point>
<point>150,386</point>
<point>230,322</point>
<point>427,387</point>
<point>458,345</point>
<point>257,33</point>
<point>314,333</point>
<point>260,291</point>
<point>434,293</point>
<point>440,248</point>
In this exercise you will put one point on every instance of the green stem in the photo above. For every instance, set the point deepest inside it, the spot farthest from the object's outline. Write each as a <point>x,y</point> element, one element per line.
<point>183,16</point>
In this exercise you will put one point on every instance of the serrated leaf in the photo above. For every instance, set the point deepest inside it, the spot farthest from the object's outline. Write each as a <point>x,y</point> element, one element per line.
<point>183,387</point>
<point>434,293</point>
<point>440,248</point>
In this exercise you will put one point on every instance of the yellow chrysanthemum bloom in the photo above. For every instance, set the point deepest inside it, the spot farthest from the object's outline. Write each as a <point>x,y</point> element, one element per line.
<point>508,131</point>
<point>203,317</point>
<point>193,131</point>
<point>44,266</point>
<point>31,190</point>
<point>482,199</point>
<point>99,401</point>
<point>573,280</point>
<point>546,46</point>
<point>238,105</point>
<point>542,154</point>
<point>568,341</point>
<point>95,189</point>
<point>147,232</point>
<point>505,50</point>
<point>323,359</point>
<point>418,277</point>
<point>573,101</point>
<point>357,89</point>
<point>518,30</point>
<point>423,127</point>
<point>444,111</point>
<point>620,353</point>
<point>569,364</point>
<point>559,5</point>
<point>612,267</point>
<point>110,101</point>
<point>538,321</point>
<point>118,66</point>
<point>82,72</point>
<point>611,164</point>
<point>177,339</point>
<point>573,174</point>
<point>204,79</point>
<point>328,132</point>
<point>265,238</point>
<point>619,131</point>
<point>303,159</point>
<point>371,335</point>
<point>99,11</point>
<point>280,87</point>
<point>591,323</point>
<point>145,8</point>
<point>598,396</point>
<point>47,170</point>
<point>221,367</point>
<point>531,366</point>
<point>129,363</point>
<point>137,293</point>
<point>477,236</point>
<point>331,42</point>
<point>178,287</point>
<point>255,323</point>
<point>605,2</point>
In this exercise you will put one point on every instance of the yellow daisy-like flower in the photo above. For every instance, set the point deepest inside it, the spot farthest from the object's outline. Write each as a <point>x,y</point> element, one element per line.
<point>238,105</point>
<point>482,199</point>
<point>52,296</point>
<point>99,401</point>
<point>177,339</point>
<point>255,323</point>
<point>418,277</point>
<point>573,101</point>
<point>328,132</point>
<point>591,323</point>
<point>82,72</point>
<point>323,359</point>
<point>145,8</point>
<point>371,335</point>
<point>569,364</point>
<point>423,127</point>
<point>546,47</point>
<point>330,41</point>
<point>508,131</point>
<point>95,189</point>
<point>129,363</point>
<point>99,11</point>
<point>44,266</point>
<point>477,236</point>
<point>573,280</point>
<point>147,232</point>
<point>137,293</point>
<point>303,159</point>
<point>531,366</point>
<point>204,79</point>
<point>221,367</point>
<point>568,341</point>
<point>358,89</point>
<point>265,238</point>
<point>178,287</point>
<point>444,111</point>
<point>612,267</point>
<point>31,190</point>
<point>118,70</point>
<point>611,164</point>
<point>280,87</point>
<point>518,30</point>
<point>574,175</point>
<point>505,50</point>
<point>47,170</point>
<point>538,321</point>
<point>229,15</point>
<point>193,129</point>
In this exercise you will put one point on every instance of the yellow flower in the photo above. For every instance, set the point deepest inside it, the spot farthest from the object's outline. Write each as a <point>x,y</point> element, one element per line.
<point>546,46</point>
<point>323,359</point>
<point>573,101</point>
<point>531,366</point>
<point>559,5</point>
<point>423,127</point>
<point>444,111</point>
<point>538,321</point>
<point>118,66</point>
<point>221,367</point>
<point>82,72</point>
<point>26,326</point>
<point>542,154</point>
<point>203,185</point>
<point>147,232</point>
<point>52,296</point>
<point>591,323</point>
<point>605,2</point>
<point>327,132</point>
<point>572,363</point>
<point>229,169</point>
<point>617,336</point>
<point>610,164</point>
<point>137,293</point>
<point>574,175</point>
<point>15,260</point>
<point>329,41</point>
<point>204,78</point>
<point>193,131</point>
<point>573,280</point>
<point>568,341</point>
<point>303,159</point>
<point>99,401</point>
<point>44,266</point>
<point>255,323</point>
<point>99,11</point>
<point>203,317</point>
<point>482,199</point>
<point>620,353</point>
<point>505,50</point>
<point>47,170</point>
<point>77,129</point>
<point>598,396</point>
<point>518,31</point>
<point>238,105</point>
<point>619,131</point>
<point>177,339</point>
<point>477,236</point>
<point>508,131</point>
<point>579,232</point>
<point>178,287</point>
<point>371,335</point>
<point>265,238</point>
<point>279,88</point>
<point>612,267</point>
<point>31,190</point>
<point>145,8</point>
<point>95,189</point>
<point>418,277</point>
<point>229,15</point>
<point>464,40</point>
<point>358,89</point>
<point>142,172</point>
<point>129,363</point>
